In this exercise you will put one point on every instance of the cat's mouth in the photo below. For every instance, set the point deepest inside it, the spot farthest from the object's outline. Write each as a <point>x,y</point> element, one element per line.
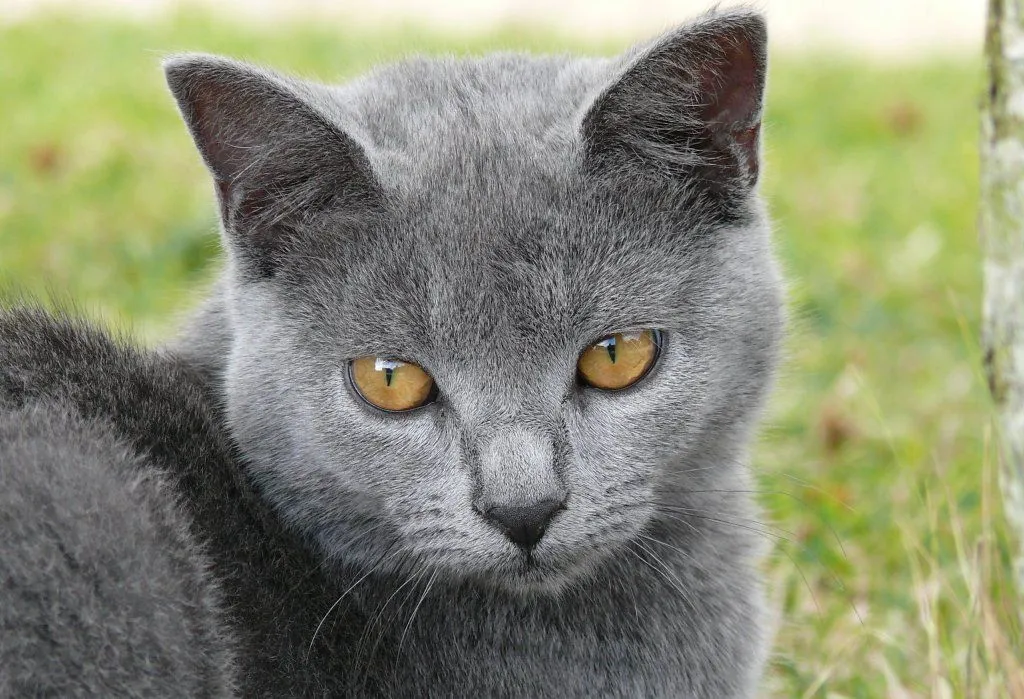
<point>537,571</point>
<point>530,577</point>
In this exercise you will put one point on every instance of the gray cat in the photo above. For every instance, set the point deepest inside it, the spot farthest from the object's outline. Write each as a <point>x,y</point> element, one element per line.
<point>467,412</point>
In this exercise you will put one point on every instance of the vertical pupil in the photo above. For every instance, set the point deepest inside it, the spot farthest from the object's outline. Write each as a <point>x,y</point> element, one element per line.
<point>388,373</point>
<point>611,349</point>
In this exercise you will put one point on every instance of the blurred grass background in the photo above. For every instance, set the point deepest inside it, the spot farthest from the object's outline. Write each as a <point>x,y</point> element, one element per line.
<point>890,572</point>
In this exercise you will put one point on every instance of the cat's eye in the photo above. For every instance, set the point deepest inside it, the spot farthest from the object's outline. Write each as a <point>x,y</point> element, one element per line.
<point>391,385</point>
<point>620,360</point>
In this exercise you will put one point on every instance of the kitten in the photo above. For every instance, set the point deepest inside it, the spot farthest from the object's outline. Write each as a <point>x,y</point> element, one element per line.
<point>491,340</point>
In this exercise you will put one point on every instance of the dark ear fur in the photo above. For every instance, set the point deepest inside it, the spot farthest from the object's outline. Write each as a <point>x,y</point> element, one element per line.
<point>275,160</point>
<point>688,106</point>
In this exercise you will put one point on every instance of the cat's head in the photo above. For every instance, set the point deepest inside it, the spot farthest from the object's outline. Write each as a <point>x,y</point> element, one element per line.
<point>488,248</point>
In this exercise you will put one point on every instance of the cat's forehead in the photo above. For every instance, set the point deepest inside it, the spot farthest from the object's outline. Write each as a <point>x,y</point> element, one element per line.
<point>442,122</point>
<point>494,236</point>
<point>416,103</point>
<point>527,270</point>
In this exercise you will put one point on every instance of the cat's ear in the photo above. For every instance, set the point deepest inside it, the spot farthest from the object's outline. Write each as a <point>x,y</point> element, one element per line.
<point>687,106</point>
<point>274,158</point>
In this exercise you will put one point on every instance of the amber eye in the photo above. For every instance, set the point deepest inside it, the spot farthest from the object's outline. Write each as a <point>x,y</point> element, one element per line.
<point>391,385</point>
<point>619,360</point>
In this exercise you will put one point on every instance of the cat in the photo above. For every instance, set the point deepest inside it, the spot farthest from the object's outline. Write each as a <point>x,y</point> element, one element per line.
<point>467,412</point>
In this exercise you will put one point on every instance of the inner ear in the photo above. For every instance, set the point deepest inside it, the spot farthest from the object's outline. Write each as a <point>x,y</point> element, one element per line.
<point>732,79</point>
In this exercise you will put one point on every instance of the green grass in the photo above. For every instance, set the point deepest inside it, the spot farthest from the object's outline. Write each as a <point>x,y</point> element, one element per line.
<point>891,574</point>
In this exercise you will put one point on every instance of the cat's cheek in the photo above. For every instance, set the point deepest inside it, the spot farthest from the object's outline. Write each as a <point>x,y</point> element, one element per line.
<point>609,459</point>
<point>413,463</point>
<point>622,443</point>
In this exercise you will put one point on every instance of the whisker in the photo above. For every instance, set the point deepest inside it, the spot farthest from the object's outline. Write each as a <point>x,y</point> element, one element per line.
<point>326,561</point>
<point>343,596</point>
<point>807,484</point>
<point>792,496</point>
<point>695,470</point>
<point>696,562</point>
<point>700,514</point>
<point>622,485</point>
<point>665,573</point>
<point>818,489</point>
<point>678,550</point>
<point>786,553</point>
<point>835,535</point>
<point>408,625</point>
<point>378,615</point>
<point>766,530</point>
<point>807,583</point>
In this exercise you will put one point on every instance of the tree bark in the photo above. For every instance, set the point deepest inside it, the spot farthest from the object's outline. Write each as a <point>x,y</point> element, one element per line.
<point>1002,230</point>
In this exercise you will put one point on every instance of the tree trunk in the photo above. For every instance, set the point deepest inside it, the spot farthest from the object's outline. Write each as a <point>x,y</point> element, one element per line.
<point>1002,229</point>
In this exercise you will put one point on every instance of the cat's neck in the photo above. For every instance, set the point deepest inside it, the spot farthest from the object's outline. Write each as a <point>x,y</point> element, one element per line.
<point>205,339</point>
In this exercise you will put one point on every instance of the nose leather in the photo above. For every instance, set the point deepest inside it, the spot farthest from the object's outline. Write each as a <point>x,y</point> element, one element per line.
<point>524,524</point>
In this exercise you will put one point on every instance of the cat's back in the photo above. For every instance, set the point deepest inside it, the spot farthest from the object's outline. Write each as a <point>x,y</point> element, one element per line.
<point>155,402</point>
<point>104,589</point>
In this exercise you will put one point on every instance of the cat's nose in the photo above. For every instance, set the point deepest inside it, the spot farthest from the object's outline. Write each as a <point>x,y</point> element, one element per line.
<point>524,524</point>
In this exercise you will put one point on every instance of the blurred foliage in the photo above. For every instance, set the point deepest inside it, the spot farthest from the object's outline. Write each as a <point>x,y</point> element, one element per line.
<point>889,572</point>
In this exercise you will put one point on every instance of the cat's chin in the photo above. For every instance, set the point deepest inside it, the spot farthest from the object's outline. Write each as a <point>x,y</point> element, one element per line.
<point>527,578</point>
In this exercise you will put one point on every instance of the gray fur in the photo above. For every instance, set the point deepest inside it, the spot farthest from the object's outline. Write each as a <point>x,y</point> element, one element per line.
<point>105,592</point>
<point>488,219</point>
